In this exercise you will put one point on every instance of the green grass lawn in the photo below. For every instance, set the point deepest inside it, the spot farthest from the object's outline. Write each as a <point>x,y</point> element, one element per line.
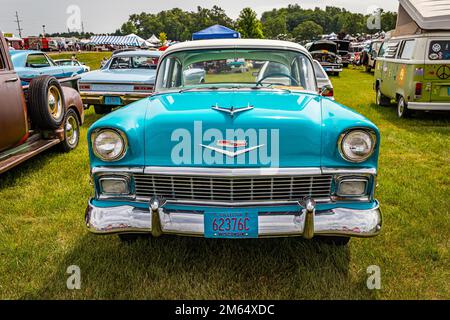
<point>42,231</point>
<point>91,59</point>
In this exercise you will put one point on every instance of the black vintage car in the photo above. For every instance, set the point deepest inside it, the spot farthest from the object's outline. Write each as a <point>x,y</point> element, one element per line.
<point>326,52</point>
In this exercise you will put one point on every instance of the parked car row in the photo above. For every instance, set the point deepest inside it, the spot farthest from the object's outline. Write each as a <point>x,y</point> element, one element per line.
<point>43,113</point>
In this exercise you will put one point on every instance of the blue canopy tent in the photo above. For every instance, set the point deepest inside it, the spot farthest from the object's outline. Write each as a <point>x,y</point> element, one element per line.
<point>216,32</point>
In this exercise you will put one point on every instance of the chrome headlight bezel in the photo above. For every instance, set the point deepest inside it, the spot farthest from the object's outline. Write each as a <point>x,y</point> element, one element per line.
<point>370,134</point>
<point>120,135</point>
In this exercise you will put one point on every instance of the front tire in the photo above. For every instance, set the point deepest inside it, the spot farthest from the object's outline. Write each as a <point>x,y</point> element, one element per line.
<point>402,108</point>
<point>71,131</point>
<point>101,109</point>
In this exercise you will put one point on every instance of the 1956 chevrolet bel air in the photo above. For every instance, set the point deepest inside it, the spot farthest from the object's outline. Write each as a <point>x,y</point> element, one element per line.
<point>234,156</point>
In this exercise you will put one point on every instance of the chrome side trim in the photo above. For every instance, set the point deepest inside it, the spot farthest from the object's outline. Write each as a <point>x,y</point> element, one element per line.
<point>232,172</point>
<point>97,170</point>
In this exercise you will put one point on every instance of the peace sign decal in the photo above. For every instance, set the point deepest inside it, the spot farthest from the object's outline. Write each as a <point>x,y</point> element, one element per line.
<point>443,72</point>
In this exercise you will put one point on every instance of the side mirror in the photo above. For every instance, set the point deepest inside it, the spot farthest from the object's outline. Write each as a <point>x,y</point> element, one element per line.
<point>327,91</point>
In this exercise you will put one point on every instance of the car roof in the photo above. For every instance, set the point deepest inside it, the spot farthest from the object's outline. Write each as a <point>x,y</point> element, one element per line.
<point>236,43</point>
<point>145,53</point>
<point>24,52</point>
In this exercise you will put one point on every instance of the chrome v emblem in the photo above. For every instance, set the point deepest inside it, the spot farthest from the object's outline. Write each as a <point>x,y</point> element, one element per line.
<point>231,154</point>
<point>232,111</point>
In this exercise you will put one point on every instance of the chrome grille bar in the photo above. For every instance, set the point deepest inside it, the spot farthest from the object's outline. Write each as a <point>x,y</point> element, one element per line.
<point>220,188</point>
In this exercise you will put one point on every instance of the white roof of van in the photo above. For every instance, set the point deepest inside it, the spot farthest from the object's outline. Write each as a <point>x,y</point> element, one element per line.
<point>429,14</point>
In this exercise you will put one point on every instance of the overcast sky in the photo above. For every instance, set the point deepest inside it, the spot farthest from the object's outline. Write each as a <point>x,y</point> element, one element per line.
<point>105,16</point>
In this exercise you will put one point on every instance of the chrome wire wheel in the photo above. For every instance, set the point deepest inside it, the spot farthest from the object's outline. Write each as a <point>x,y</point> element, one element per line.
<point>54,102</point>
<point>72,130</point>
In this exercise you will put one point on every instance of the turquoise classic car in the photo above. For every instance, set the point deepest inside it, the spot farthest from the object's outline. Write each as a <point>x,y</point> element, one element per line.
<point>235,156</point>
<point>31,64</point>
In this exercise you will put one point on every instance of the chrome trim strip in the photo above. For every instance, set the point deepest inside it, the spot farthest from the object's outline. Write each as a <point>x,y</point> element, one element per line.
<point>232,172</point>
<point>356,171</point>
<point>97,170</point>
<point>239,204</point>
<point>431,106</point>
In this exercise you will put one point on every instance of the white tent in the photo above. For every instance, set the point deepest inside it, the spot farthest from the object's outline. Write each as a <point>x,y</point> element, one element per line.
<point>130,40</point>
<point>154,40</point>
<point>414,16</point>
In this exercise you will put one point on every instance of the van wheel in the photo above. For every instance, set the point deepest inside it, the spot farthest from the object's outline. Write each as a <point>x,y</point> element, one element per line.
<point>46,103</point>
<point>100,109</point>
<point>71,131</point>
<point>402,108</point>
<point>381,99</point>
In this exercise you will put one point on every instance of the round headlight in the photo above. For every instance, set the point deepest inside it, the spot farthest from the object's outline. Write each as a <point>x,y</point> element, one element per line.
<point>109,144</point>
<point>357,145</point>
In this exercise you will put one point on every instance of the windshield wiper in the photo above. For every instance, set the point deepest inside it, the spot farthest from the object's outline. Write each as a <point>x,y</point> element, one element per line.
<point>195,89</point>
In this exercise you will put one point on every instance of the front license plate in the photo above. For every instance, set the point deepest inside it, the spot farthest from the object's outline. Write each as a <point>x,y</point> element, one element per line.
<point>231,225</point>
<point>114,101</point>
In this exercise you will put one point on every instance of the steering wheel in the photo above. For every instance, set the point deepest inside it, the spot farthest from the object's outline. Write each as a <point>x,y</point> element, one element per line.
<point>259,83</point>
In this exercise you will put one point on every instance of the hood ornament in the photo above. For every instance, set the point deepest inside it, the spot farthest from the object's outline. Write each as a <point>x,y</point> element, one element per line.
<point>232,111</point>
<point>231,154</point>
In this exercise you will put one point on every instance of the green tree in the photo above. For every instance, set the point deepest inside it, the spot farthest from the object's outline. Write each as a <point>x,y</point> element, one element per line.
<point>308,30</point>
<point>128,28</point>
<point>274,26</point>
<point>248,24</point>
<point>163,38</point>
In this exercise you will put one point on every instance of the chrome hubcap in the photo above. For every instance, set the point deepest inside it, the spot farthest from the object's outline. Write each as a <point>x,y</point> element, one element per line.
<point>54,102</point>
<point>71,130</point>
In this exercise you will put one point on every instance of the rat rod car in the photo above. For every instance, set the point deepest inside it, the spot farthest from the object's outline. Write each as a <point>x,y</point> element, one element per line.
<point>34,118</point>
<point>235,157</point>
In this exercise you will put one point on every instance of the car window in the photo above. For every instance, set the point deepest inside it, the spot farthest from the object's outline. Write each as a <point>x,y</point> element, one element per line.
<point>408,50</point>
<point>136,62</point>
<point>320,74</point>
<point>2,64</point>
<point>439,50</point>
<point>225,68</point>
<point>37,61</point>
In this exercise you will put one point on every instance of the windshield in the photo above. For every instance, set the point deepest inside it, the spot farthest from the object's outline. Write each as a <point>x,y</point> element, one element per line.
<point>136,62</point>
<point>231,68</point>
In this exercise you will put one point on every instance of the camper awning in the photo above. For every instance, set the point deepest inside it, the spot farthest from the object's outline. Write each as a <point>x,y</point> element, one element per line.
<point>427,14</point>
<point>216,32</point>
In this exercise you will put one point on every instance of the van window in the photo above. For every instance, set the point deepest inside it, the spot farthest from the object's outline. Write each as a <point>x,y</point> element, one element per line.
<point>390,49</point>
<point>408,50</point>
<point>439,50</point>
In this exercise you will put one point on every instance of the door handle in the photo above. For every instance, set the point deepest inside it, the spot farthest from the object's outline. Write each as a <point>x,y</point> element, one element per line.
<point>12,80</point>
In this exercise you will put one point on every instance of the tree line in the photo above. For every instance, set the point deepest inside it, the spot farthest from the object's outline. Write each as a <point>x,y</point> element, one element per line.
<point>291,22</point>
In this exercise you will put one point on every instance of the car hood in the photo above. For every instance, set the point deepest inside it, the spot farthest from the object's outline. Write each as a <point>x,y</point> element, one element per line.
<point>176,129</point>
<point>186,129</point>
<point>323,45</point>
<point>120,76</point>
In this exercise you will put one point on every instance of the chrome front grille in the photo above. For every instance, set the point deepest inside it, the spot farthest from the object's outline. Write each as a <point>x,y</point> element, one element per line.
<point>240,189</point>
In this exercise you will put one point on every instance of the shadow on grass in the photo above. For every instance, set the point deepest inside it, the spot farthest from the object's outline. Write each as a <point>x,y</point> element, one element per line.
<point>195,268</point>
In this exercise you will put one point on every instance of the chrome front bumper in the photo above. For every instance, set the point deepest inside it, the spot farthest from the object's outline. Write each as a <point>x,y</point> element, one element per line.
<point>309,222</point>
<point>93,97</point>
